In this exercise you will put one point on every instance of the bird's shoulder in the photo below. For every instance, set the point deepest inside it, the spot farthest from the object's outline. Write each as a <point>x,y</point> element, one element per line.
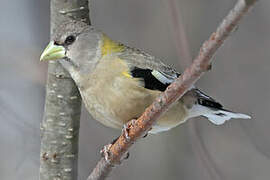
<point>152,71</point>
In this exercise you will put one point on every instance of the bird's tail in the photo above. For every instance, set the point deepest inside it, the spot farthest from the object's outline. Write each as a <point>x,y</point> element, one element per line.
<point>219,116</point>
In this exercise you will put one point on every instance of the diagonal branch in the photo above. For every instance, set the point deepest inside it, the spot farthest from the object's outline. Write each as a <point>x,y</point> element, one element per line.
<point>176,90</point>
<point>183,51</point>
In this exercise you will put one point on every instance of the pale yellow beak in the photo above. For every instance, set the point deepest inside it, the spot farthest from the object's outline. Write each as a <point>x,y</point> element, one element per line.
<point>53,52</point>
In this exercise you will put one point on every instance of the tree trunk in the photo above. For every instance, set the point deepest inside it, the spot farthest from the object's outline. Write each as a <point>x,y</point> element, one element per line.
<point>61,122</point>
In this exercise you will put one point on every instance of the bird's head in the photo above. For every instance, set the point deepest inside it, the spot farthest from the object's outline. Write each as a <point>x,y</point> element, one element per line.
<point>75,44</point>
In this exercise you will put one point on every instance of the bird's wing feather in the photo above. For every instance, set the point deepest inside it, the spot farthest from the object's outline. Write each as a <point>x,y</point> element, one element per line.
<point>154,74</point>
<point>206,100</point>
<point>157,76</point>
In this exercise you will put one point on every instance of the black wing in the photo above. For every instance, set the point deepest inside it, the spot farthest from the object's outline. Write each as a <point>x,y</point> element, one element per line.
<point>153,79</point>
<point>206,100</point>
<point>152,72</point>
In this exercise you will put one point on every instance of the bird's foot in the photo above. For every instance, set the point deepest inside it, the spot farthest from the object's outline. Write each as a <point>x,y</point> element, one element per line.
<point>105,152</point>
<point>127,127</point>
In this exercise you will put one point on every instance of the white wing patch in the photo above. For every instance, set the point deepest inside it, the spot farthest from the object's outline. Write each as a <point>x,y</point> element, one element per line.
<point>164,78</point>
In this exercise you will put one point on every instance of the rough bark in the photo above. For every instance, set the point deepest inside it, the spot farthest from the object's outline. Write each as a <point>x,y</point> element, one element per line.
<point>176,90</point>
<point>61,121</point>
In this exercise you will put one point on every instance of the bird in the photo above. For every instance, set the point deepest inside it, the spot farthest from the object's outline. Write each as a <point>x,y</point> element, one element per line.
<point>117,82</point>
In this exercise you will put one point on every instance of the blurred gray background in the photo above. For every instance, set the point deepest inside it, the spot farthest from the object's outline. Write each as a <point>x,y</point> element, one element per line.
<point>240,149</point>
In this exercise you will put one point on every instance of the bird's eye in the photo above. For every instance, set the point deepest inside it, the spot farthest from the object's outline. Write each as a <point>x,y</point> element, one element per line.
<point>70,39</point>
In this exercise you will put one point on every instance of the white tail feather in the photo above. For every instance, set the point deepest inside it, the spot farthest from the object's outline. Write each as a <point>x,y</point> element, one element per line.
<point>220,116</point>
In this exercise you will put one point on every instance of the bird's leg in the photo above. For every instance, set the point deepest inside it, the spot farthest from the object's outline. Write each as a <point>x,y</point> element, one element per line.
<point>105,151</point>
<point>126,128</point>
<point>125,131</point>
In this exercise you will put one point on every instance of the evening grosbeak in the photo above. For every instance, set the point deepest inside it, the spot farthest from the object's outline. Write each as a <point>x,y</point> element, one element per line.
<point>117,82</point>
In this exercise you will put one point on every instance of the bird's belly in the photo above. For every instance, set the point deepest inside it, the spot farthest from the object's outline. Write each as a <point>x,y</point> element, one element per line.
<point>114,99</point>
<point>114,109</point>
<point>176,115</point>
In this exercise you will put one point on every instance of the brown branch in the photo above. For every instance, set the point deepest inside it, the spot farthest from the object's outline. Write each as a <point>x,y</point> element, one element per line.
<point>176,90</point>
<point>183,53</point>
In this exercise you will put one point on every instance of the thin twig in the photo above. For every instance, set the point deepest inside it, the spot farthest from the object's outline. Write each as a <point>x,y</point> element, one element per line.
<point>184,54</point>
<point>176,90</point>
